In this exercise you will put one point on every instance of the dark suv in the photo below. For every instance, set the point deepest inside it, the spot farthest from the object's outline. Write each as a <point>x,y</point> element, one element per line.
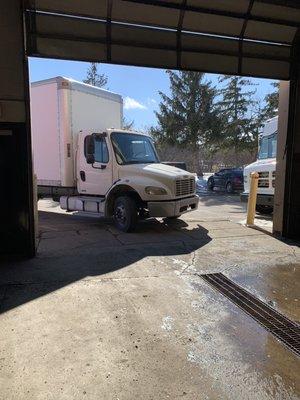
<point>229,179</point>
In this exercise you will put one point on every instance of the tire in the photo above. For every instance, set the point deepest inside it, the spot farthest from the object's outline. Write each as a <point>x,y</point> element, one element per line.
<point>125,214</point>
<point>210,184</point>
<point>229,188</point>
<point>264,209</point>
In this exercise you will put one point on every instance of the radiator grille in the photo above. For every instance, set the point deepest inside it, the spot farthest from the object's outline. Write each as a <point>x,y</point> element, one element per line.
<point>185,187</point>
<point>273,179</point>
<point>263,180</point>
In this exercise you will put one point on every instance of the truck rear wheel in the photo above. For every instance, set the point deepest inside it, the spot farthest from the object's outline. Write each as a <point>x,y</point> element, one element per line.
<point>125,214</point>
<point>264,209</point>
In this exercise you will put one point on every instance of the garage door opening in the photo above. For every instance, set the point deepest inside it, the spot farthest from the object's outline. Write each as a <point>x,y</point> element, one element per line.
<point>77,245</point>
<point>249,39</point>
<point>210,125</point>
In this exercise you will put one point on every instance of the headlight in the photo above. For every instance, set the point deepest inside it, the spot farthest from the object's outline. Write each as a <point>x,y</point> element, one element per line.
<point>153,190</point>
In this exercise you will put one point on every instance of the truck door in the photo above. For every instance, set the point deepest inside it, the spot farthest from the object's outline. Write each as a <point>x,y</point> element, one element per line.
<point>95,177</point>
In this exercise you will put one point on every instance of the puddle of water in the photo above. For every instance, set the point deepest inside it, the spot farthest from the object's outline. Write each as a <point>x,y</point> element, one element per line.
<point>278,285</point>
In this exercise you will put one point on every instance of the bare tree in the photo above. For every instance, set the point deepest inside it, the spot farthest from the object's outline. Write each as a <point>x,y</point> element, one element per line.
<point>202,160</point>
<point>127,124</point>
<point>94,78</point>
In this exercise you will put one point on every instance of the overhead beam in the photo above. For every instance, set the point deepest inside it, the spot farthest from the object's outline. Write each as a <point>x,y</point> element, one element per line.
<point>284,3</point>
<point>273,25</point>
<point>34,32</point>
<point>130,44</point>
<point>213,11</point>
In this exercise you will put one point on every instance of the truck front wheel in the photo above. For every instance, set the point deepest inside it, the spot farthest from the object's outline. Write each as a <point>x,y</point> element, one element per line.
<point>125,214</point>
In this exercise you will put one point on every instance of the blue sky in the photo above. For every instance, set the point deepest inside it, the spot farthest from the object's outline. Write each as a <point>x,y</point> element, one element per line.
<point>138,86</point>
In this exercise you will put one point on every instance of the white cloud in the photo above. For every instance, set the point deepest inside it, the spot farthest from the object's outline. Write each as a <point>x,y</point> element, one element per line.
<point>152,101</point>
<point>132,104</point>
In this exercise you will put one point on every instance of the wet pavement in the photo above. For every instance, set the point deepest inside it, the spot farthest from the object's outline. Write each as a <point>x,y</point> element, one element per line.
<point>104,315</point>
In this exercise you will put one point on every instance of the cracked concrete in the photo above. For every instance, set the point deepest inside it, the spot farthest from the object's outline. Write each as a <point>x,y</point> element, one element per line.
<point>99,314</point>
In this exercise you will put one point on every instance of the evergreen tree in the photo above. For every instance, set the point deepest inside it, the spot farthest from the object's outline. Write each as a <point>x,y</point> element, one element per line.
<point>272,101</point>
<point>188,117</point>
<point>240,113</point>
<point>95,79</point>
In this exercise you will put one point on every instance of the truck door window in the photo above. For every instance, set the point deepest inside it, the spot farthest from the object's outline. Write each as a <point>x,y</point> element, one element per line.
<point>268,147</point>
<point>101,151</point>
<point>263,148</point>
<point>273,146</point>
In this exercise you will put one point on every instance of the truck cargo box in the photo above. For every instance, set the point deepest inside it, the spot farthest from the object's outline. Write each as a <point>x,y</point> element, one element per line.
<point>60,108</point>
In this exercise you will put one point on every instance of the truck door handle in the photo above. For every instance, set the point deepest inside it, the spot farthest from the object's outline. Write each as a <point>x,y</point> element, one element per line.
<point>103,166</point>
<point>82,176</point>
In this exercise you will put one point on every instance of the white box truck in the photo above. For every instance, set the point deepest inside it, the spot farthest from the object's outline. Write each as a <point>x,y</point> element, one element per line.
<point>266,168</point>
<point>83,157</point>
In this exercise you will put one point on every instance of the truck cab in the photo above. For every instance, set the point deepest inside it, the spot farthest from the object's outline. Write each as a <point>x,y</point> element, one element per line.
<point>266,168</point>
<point>119,175</point>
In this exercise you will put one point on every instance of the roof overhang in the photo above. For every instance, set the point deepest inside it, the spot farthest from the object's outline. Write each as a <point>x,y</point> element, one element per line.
<point>245,37</point>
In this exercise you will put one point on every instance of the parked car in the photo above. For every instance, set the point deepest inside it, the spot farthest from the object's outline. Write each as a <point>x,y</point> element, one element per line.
<point>229,179</point>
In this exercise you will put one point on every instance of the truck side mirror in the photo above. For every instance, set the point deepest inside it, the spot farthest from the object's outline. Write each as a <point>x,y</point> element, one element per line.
<point>89,149</point>
<point>90,159</point>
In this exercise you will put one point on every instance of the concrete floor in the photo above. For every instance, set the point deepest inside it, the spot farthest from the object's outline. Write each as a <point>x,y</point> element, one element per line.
<point>104,315</point>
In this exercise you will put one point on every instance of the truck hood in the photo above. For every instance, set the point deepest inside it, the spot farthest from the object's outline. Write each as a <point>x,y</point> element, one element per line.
<point>156,171</point>
<point>261,165</point>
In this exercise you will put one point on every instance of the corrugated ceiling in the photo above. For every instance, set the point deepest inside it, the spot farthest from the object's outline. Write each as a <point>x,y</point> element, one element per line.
<point>245,37</point>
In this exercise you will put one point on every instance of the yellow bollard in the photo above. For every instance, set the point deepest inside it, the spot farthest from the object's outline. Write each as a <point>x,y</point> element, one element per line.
<point>252,198</point>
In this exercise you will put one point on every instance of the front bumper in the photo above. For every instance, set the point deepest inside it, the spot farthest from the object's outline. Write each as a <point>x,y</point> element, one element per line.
<point>262,199</point>
<point>172,208</point>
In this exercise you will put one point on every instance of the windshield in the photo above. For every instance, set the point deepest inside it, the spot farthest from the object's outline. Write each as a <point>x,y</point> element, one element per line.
<point>132,148</point>
<point>267,147</point>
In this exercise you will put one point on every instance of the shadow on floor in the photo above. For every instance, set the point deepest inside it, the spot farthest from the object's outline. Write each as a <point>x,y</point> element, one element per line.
<point>73,248</point>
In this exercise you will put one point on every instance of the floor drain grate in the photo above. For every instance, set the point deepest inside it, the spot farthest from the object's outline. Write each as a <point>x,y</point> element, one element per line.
<point>284,329</point>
